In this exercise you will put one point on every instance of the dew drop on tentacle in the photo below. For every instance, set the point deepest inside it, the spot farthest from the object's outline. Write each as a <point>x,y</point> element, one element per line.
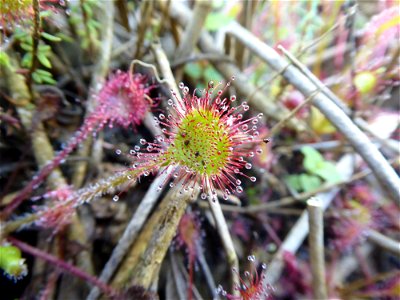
<point>115,198</point>
<point>118,152</point>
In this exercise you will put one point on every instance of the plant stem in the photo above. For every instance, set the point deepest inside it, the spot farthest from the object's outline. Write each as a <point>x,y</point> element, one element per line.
<point>316,244</point>
<point>142,264</point>
<point>67,267</point>
<point>226,238</point>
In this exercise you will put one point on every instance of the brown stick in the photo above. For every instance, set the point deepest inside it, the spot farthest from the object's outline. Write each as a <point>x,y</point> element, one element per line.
<point>316,244</point>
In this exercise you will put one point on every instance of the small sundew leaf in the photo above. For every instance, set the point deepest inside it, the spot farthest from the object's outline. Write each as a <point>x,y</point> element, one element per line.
<point>328,172</point>
<point>312,159</point>
<point>293,182</point>
<point>50,37</point>
<point>12,263</point>
<point>309,182</point>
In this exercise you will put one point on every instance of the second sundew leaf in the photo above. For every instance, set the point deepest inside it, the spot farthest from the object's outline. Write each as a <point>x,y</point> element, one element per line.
<point>309,182</point>
<point>328,172</point>
<point>312,159</point>
<point>314,163</point>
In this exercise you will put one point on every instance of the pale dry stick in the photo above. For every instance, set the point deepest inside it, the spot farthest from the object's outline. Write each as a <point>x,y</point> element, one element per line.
<point>384,242</point>
<point>328,106</point>
<point>142,262</point>
<point>193,29</point>
<point>131,231</point>
<point>259,101</point>
<point>165,68</point>
<point>192,33</point>
<point>99,73</point>
<point>359,121</point>
<point>227,242</point>
<point>299,231</point>
<point>316,244</point>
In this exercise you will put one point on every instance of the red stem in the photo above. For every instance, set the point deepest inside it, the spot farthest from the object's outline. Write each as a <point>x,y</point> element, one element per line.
<point>87,127</point>
<point>67,267</point>
<point>190,287</point>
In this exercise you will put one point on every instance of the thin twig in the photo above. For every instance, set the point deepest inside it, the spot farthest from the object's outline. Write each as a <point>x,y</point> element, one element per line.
<point>316,244</point>
<point>299,231</point>
<point>192,31</point>
<point>259,101</point>
<point>384,242</point>
<point>67,267</point>
<point>226,238</point>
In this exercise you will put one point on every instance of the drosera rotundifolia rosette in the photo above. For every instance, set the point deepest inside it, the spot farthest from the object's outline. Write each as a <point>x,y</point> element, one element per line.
<point>123,100</point>
<point>205,141</point>
<point>252,286</point>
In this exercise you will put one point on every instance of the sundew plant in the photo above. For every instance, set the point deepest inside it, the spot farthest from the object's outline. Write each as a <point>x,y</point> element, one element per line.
<point>199,149</point>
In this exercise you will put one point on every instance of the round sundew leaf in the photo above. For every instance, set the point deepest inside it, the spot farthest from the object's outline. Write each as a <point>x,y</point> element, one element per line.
<point>202,143</point>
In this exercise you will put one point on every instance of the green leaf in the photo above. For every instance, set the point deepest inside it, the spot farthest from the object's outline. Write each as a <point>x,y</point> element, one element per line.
<point>309,182</point>
<point>44,60</point>
<point>328,172</point>
<point>50,37</point>
<point>193,70</point>
<point>37,78</point>
<point>4,59</point>
<point>27,60</point>
<point>65,38</point>
<point>44,48</point>
<point>216,20</point>
<point>212,74</point>
<point>43,73</point>
<point>48,80</point>
<point>27,47</point>
<point>293,182</point>
<point>12,262</point>
<point>312,159</point>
